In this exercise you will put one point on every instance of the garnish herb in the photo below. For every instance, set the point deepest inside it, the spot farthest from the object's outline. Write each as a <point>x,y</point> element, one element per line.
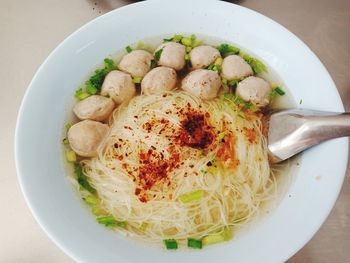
<point>257,66</point>
<point>226,49</point>
<point>82,179</point>
<point>276,91</point>
<point>153,64</point>
<point>96,80</point>
<point>136,80</point>
<point>170,243</point>
<point>109,221</point>
<point>194,243</point>
<point>158,54</point>
<point>71,156</point>
<point>193,196</point>
<point>128,49</point>
<point>80,94</point>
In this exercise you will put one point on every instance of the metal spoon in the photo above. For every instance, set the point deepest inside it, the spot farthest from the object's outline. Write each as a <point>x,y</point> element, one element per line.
<point>292,131</point>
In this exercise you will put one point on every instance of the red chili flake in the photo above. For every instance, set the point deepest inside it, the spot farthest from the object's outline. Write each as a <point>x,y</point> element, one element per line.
<point>137,191</point>
<point>226,153</point>
<point>195,130</point>
<point>250,134</point>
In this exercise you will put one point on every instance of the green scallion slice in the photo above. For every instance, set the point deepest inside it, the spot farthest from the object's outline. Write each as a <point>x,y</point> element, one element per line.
<point>71,156</point>
<point>193,196</point>
<point>158,54</point>
<point>153,64</point>
<point>186,41</point>
<point>279,91</point>
<point>128,49</point>
<point>177,38</point>
<point>194,243</point>
<point>170,243</point>
<point>136,80</point>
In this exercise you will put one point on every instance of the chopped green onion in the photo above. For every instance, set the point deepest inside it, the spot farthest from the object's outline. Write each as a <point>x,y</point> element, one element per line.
<point>194,243</point>
<point>233,83</point>
<point>97,211</point>
<point>80,94</point>
<point>136,80</point>
<point>187,57</point>
<point>128,49</point>
<point>193,196</point>
<point>71,156</point>
<point>224,81</point>
<point>109,221</point>
<point>257,66</point>
<point>177,38</point>
<point>278,91</point>
<point>168,39</point>
<point>170,243</point>
<point>226,49</point>
<point>196,43</point>
<point>301,101</point>
<point>228,96</point>
<point>65,141</point>
<point>121,224</point>
<point>97,79</point>
<point>158,54</point>
<point>186,41</point>
<point>106,220</point>
<point>217,238</point>
<point>213,170</point>
<point>91,89</point>
<point>82,179</point>
<point>212,239</point>
<point>188,49</point>
<point>221,136</point>
<point>153,64</point>
<point>68,125</point>
<point>218,62</point>
<point>91,200</point>
<point>193,37</point>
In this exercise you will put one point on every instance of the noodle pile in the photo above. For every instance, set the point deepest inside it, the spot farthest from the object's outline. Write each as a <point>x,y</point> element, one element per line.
<point>230,171</point>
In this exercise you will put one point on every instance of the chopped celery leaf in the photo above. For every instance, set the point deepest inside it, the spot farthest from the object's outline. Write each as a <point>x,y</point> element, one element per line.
<point>226,49</point>
<point>96,80</point>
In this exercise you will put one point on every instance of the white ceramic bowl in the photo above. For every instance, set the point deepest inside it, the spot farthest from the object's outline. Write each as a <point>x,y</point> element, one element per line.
<point>41,168</point>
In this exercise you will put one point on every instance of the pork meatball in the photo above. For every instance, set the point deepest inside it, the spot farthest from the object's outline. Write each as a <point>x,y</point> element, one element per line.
<point>158,80</point>
<point>203,83</point>
<point>137,63</point>
<point>118,86</point>
<point>203,56</point>
<point>235,67</point>
<point>95,107</point>
<point>84,137</point>
<point>254,89</point>
<point>172,56</point>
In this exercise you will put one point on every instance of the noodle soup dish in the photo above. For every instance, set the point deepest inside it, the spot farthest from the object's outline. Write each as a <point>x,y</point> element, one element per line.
<point>168,142</point>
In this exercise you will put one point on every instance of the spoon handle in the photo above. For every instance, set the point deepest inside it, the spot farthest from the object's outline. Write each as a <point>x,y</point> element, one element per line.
<point>293,131</point>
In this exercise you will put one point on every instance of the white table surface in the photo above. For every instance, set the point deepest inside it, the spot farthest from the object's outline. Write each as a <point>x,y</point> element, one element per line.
<point>30,30</point>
